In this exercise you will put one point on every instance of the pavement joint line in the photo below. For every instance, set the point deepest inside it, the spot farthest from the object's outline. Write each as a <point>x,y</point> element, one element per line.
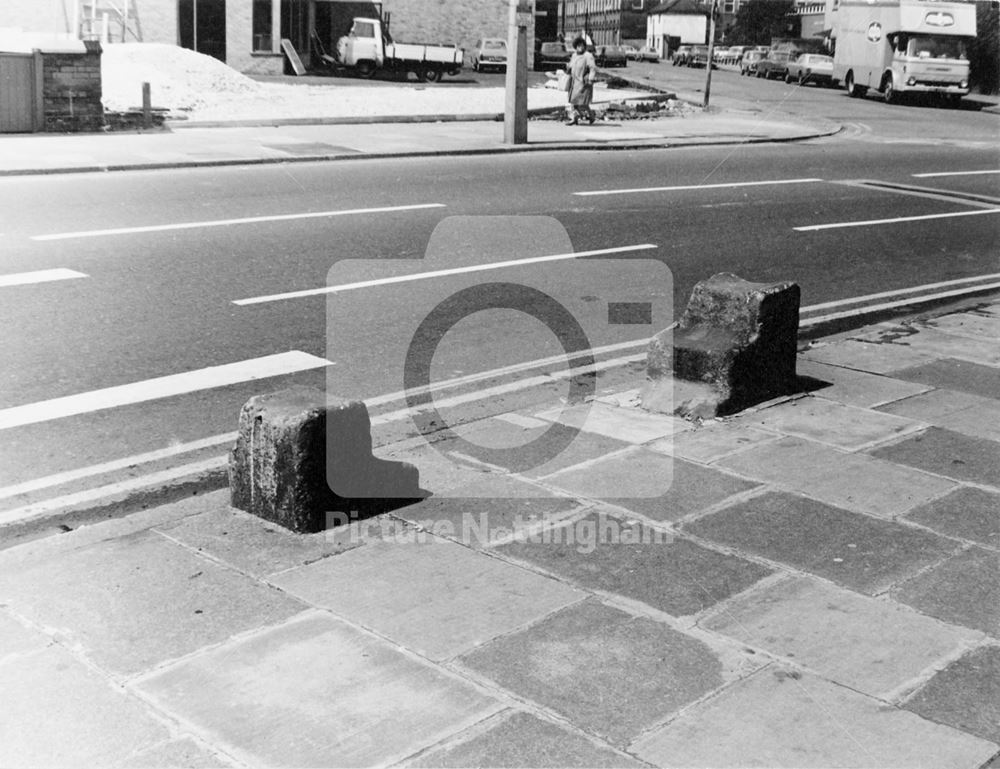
<point>39,276</point>
<point>908,689</point>
<point>593,193</point>
<point>278,364</point>
<point>955,173</point>
<point>894,220</point>
<point>444,273</point>
<point>231,222</point>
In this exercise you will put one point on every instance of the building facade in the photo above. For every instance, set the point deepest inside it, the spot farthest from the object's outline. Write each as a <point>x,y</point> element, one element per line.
<point>674,23</point>
<point>247,34</point>
<point>605,21</point>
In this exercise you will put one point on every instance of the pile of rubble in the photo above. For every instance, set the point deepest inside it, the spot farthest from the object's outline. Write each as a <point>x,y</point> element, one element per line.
<point>645,109</point>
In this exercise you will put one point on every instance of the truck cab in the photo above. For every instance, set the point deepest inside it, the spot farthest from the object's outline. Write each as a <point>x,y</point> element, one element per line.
<point>363,47</point>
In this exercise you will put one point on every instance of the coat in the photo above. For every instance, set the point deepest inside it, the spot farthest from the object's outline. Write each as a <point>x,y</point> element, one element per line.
<point>582,74</point>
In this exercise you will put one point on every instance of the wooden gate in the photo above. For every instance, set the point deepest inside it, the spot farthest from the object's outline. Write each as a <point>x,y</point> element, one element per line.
<point>20,92</point>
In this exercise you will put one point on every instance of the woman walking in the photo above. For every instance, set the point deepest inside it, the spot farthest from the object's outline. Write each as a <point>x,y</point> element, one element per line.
<point>582,75</point>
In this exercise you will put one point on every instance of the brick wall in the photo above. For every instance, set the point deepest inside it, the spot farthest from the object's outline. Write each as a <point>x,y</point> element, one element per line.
<point>450,21</point>
<point>72,90</point>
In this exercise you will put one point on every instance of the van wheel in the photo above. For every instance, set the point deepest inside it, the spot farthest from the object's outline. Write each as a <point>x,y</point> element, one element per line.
<point>366,69</point>
<point>433,75</point>
<point>852,89</point>
<point>788,78</point>
<point>889,94</point>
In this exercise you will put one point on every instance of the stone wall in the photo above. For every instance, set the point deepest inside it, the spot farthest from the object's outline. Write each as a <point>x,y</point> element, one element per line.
<point>72,90</point>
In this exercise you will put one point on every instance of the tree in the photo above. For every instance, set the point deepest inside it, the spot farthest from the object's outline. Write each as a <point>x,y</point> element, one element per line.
<point>984,51</point>
<point>760,20</point>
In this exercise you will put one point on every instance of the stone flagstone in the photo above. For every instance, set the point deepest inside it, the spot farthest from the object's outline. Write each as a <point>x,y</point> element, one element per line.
<point>782,718</point>
<point>867,356</point>
<point>436,598</point>
<point>857,388</point>
<point>948,453</point>
<point>316,692</point>
<point>852,481</point>
<point>870,645</point>
<point>606,671</point>
<point>953,374</point>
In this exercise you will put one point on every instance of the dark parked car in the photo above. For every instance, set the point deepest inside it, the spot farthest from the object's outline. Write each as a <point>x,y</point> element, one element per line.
<point>749,62</point>
<point>698,57</point>
<point>774,65</point>
<point>612,56</point>
<point>552,56</point>
<point>681,56</point>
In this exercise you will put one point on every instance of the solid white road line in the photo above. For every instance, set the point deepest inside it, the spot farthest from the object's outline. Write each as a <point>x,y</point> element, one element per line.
<point>39,276</point>
<point>955,173</point>
<point>160,387</point>
<point>439,274</point>
<point>897,220</point>
<point>230,222</point>
<point>901,292</point>
<point>899,303</point>
<point>593,193</point>
<point>69,476</point>
<point>28,512</point>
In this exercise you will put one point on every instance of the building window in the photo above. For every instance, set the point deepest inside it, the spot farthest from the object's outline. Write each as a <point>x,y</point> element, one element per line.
<point>262,21</point>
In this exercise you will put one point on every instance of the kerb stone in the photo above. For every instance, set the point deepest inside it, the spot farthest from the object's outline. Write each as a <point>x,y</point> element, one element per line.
<point>300,456</point>
<point>734,346</point>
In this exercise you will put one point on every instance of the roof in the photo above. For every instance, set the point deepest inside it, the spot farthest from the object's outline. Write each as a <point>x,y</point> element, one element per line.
<point>680,7</point>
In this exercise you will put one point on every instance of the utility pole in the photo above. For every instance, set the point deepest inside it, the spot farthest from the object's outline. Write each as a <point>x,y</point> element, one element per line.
<point>515,116</point>
<point>711,50</point>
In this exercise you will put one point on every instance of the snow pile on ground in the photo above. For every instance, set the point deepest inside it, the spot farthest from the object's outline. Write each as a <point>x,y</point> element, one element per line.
<point>203,88</point>
<point>179,79</point>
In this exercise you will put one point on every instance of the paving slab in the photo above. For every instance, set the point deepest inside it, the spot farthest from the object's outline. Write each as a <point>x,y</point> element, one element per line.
<point>824,421</point>
<point>967,512</point>
<point>781,718</point>
<point>968,348</point>
<point>652,483</point>
<point>713,441</point>
<point>958,411</point>
<point>860,552</point>
<point>184,753</point>
<point>454,599</point>
<point>16,639</point>
<point>857,388</point>
<point>852,481</point>
<point>948,453</point>
<point>624,424</point>
<point>520,739</point>
<point>872,645</point>
<point>867,356</point>
<point>974,324</point>
<point>489,508</point>
<point>141,600</point>
<point>251,544</point>
<point>316,692</point>
<point>60,713</point>
<point>964,590</point>
<point>666,572</point>
<point>953,374</point>
<point>608,672</point>
<point>965,695</point>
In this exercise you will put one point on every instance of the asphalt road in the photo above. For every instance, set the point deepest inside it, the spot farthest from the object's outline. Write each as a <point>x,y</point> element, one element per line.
<point>156,302</point>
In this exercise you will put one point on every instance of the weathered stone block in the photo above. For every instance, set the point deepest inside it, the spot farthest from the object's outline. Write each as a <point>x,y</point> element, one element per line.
<point>735,346</point>
<point>300,456</point>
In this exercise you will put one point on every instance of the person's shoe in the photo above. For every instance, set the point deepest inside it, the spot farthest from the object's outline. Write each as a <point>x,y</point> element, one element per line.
<point>592,118</point>
<point>573,121</point>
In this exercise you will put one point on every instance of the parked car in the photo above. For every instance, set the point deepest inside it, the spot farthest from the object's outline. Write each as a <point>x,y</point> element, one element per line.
<point>631,52</point>
<point>774,65</point>
<point>646,53</point>
<point>611,56</point>
<point>698,56</point>
<point>490,53</point>
<point>552,55</point>
<point>749,62</point>
<point>811,68</point>
<point>681,56</point>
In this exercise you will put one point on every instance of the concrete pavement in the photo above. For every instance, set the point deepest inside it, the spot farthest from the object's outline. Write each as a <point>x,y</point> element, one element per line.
<point>208,146</point>
<point>817,585</point>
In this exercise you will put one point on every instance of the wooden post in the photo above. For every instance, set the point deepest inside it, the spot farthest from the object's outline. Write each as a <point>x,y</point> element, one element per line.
<point>38,116</point>
<point>147,106</point>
